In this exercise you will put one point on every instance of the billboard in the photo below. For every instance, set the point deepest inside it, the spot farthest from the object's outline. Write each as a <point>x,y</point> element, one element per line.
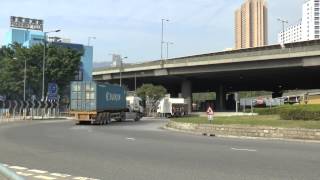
<point>26,23</point>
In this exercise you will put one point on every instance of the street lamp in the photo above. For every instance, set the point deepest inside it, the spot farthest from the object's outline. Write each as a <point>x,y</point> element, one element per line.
<point>168,43</point>
<point>44,59</point>
<point>24,78</point>
<point>283,28</point>
<point>121,67</point>
<point>162,29</point>
<point>89,39</point>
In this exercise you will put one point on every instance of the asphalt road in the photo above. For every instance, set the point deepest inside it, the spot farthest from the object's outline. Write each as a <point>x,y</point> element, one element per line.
<point>142,151</point>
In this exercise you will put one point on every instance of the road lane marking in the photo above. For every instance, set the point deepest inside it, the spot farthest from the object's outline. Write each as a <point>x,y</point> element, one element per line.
<point>60,175</point>
<point>38,171</point>
<point>24,174</point>
<point>44,177</point>
<point>130,139</point>
<point>249,150</point>
<point>18,167</point>
<point>81,178</point>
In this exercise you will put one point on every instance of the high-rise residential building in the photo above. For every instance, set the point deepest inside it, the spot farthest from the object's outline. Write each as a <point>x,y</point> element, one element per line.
<point>251,24</point>
<point>310,20</point>
<point>308,28</point>
<point>291,34</point>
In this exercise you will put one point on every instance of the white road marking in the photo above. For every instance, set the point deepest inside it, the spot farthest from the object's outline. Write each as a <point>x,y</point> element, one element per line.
<point>18,167</point>
<point>24,174</point>
<point>5,165</point>
<point>249,150</point>
<point>44,177</point>
<point>38,171</point>
<point>81,178</point>
<point>60,175</point>
<point>130,139</point>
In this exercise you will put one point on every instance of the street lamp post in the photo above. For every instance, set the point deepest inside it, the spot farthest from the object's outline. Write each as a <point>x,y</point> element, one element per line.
<point>168,43</point>
<point>121,67</point>
<point>25,79</point>
<point>283,28</point>
<point>162,31</point>
<point>89,39</point>
<point>44,60</point>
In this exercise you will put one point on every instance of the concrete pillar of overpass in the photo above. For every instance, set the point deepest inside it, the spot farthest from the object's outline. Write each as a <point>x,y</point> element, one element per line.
<point>186,92</point>
<point>221,99</point>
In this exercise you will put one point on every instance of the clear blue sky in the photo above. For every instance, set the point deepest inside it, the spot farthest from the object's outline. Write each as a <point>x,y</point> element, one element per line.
<point>133,27</point>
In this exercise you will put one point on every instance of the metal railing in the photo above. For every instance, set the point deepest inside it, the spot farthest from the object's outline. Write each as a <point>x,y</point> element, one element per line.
<point>7,174</point>
<point>15,110</point>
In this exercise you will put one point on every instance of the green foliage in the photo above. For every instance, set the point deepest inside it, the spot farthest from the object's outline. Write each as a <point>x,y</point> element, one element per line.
<point>245,94</point>
<point>291,112</point>
<point>61,67</point>
<point>152,92</point>
<point>151,95</point>
<point>202,97</point>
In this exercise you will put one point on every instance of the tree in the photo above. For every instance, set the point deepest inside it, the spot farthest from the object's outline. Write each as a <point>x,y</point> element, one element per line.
<point>151,95</point>
<point>62,65</point>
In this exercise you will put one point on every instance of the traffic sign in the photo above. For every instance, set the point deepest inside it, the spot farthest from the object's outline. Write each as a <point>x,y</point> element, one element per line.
<point>53,91</point>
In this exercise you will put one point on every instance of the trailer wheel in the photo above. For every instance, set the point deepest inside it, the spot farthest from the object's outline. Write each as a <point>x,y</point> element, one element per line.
<point>108,118</point>
<point>137,118</point>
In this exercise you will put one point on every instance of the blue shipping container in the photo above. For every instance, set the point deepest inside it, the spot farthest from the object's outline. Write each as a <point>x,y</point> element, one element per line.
<point>90,96</point>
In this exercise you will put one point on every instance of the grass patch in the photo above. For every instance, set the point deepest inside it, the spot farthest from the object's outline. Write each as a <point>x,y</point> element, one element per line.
<point>262,120</point>
<point>279,109</point>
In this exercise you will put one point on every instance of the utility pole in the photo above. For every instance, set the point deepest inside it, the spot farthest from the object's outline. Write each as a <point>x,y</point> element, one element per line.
<point>168,43</point>
<point>162,32</point>
<point>283,28</point>
<point>44,61</point>
<point>121,68</point>
<point>25,79</point>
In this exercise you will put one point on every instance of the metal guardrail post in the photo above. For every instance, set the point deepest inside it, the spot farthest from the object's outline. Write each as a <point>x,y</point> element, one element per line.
<point>9,174</point>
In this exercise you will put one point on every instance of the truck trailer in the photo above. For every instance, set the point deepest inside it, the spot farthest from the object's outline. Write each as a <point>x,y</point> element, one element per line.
<point>100,103</point>
<point>172,107</point>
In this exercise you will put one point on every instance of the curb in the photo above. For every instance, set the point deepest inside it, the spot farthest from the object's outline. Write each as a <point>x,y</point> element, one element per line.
<point>239,137</point>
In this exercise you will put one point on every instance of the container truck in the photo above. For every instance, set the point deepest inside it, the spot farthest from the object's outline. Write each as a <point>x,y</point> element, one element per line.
<point>100,103</point>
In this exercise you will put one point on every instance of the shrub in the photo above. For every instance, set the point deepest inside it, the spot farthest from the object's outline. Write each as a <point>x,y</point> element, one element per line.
<point>293,112</point>
<point>300,114</point>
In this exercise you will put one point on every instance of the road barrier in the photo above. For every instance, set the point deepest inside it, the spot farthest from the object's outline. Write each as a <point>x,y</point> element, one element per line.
<point>13,110</point>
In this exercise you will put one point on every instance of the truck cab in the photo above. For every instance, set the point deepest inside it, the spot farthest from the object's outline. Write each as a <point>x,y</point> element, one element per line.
<point>135,106</point>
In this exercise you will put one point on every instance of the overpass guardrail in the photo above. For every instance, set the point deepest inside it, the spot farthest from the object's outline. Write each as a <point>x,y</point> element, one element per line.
<point>304,48</point>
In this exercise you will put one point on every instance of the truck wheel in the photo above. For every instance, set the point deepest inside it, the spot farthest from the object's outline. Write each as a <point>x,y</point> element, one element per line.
<point>137,118</point>
<point>122,116</point>
<point>108,118</point>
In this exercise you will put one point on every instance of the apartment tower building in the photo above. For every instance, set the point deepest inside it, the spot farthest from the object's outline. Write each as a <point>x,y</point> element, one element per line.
<point>251,24</point>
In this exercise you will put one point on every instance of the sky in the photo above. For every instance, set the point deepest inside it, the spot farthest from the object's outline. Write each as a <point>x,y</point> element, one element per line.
<point>132,28</point>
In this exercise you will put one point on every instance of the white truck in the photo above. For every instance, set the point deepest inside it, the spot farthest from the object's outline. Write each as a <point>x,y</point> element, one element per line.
<point>172,107</point>
<point>135,108</point>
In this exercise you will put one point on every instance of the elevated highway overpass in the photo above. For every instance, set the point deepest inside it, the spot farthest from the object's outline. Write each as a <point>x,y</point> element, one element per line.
<point>270,68</point>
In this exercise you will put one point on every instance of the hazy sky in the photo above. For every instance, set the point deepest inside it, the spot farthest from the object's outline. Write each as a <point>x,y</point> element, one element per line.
<point>133,27</point>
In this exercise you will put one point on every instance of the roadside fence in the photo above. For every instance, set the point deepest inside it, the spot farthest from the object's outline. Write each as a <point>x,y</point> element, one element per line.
<point>15,110</point>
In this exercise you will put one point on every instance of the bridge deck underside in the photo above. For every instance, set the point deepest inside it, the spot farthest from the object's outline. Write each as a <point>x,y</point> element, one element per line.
<point>242,80</point>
